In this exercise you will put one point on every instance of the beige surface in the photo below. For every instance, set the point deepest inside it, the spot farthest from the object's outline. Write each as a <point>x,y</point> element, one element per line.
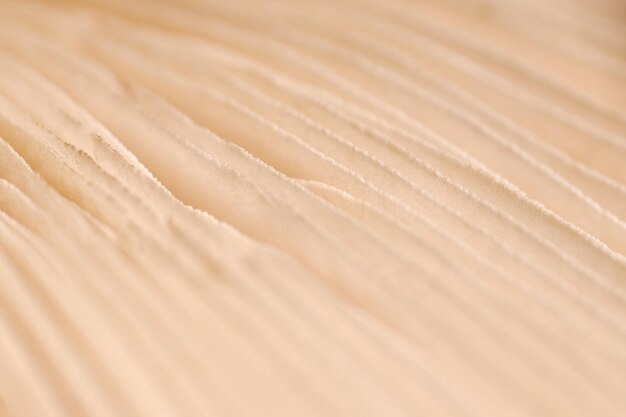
<point>312,208</point>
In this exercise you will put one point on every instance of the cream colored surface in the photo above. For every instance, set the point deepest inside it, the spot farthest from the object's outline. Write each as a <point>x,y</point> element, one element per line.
<point>312,208</point>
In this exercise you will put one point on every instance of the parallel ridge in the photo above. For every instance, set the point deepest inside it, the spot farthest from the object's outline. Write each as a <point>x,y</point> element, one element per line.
<point>328,208</point>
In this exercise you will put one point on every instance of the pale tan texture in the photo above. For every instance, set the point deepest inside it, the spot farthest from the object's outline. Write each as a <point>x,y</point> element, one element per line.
<point>312,208</point>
